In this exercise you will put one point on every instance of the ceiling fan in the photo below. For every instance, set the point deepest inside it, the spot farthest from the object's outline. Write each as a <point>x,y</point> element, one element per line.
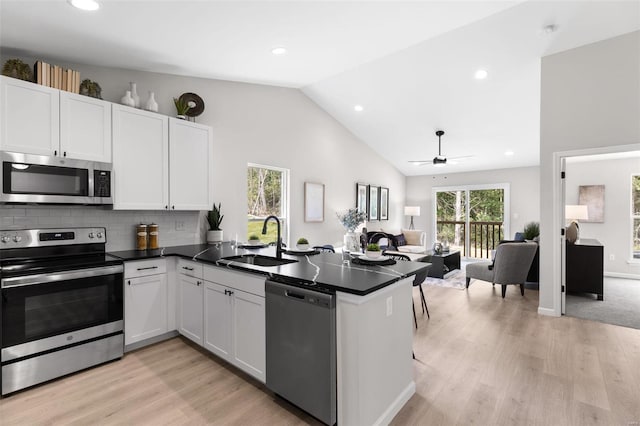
<point>439,160</point>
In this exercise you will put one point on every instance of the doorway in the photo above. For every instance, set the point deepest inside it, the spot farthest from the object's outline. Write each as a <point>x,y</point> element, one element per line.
<point>472,219</point>
<point>607,230</point>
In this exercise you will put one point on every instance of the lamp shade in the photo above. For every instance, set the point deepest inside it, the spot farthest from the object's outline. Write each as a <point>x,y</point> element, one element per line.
<point>412,210</point>
<point>579,212</point>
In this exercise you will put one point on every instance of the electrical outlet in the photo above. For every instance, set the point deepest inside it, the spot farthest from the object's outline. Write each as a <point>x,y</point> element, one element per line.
<point>179,225</point>
<point>389,306</point>
<point>612,257</point>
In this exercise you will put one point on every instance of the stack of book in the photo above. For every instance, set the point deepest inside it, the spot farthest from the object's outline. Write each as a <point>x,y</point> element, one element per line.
<point>57,77</point>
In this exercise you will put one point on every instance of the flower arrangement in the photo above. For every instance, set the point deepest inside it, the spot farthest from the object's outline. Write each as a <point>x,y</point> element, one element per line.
<point>351,219</point>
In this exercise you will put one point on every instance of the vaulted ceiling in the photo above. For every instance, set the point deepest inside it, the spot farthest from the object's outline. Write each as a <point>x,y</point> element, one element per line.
<point>409,65</point>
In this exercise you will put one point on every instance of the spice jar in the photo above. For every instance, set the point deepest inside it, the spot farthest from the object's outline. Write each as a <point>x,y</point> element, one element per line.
<point>141,237</point>
<point>153,236</point>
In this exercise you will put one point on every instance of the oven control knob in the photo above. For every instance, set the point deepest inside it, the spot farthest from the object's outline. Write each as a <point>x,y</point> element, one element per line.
<point>17,238</point>
<point>5,239</point>
<point>99,235</point>
<point>90,234</point>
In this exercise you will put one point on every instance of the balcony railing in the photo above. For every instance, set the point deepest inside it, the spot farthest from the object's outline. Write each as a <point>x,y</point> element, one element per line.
<point>483,236</point>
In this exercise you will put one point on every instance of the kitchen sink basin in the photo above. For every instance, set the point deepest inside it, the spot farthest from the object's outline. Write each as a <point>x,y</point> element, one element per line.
<point>258,260</point>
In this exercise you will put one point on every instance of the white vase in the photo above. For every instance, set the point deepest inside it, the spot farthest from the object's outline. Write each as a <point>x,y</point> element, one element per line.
<point>134,95</point>
<point>214,236</point>
<point>151,105</point>
<point>351,242</point>
<point>127,99</point>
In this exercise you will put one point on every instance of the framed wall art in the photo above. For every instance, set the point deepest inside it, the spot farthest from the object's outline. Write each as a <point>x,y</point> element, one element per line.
<point>361,197</point>
<point>374,195</point>
<point>593,197</point>
<point>313,202</point>
<point>384,204</point>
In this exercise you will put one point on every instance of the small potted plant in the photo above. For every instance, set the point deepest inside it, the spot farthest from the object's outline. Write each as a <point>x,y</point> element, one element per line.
<point>373,251</point>
<point>254,240</point>
<point>302,244</point>
<point>214,218</point>
<point>182,107</point>
<point>531,231</point>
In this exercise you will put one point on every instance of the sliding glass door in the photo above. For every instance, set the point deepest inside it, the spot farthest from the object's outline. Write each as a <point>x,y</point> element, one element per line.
<point>471,219</point>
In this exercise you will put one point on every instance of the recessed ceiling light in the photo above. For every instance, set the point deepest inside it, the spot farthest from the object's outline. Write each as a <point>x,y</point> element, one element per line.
<point>279,51</point>
<point>508,153</point>
<point>481,74</point>
<point>85,4</point>
<point>548,29</point>
<point>358,108</point>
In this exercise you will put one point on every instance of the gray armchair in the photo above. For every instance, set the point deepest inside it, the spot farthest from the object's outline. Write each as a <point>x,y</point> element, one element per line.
<point>510,266</point>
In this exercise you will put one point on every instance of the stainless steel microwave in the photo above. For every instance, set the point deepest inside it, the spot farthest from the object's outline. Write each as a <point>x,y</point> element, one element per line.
<point>29,178</point>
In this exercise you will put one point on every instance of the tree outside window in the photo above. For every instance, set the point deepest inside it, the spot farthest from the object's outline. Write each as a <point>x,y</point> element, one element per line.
<point>267,194</point>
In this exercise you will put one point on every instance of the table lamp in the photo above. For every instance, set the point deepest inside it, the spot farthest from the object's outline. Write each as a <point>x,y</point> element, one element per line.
<point>412,211</point>
<point>573,214</point>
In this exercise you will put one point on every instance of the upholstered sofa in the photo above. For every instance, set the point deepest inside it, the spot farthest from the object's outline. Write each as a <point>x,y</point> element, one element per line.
<point>407,241</point>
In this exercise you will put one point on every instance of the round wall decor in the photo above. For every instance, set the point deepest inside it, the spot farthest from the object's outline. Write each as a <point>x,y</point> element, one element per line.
<point>195,103</point>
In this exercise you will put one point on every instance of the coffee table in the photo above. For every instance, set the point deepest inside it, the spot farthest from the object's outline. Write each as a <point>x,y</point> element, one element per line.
<point>438,262</point>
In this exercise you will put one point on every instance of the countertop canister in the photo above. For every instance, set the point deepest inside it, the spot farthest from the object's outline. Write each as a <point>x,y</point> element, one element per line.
<point>141,236</point>
<point>153,236</point>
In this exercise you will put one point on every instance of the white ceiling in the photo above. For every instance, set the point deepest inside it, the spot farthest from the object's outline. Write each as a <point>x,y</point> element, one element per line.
<point>409,64</point>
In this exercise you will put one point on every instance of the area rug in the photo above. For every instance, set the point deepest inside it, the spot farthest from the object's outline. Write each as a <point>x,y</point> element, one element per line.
<point>454,279</point>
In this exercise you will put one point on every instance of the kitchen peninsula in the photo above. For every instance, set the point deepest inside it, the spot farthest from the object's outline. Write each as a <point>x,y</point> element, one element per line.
<point>373,324</point>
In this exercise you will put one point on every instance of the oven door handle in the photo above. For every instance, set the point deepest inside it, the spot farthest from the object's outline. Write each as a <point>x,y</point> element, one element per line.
<point>60,276</point>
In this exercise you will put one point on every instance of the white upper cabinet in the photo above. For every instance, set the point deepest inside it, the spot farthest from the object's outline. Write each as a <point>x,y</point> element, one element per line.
<point>44,121</point>
<point>29,117</point>
<point>140,159</point>
<point>85,127</point>
<point>190,165</point>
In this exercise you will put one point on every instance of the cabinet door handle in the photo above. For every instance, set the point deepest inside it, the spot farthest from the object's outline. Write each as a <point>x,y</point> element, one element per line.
<point>64,154</point>
<point>129,282</point>
<point>229,292</point>
<point>148,267</point>
<point>166,207</point>
<point>187,268</point>
<point>173,207</point>
<point>55,153</point>
<point>198,283</point>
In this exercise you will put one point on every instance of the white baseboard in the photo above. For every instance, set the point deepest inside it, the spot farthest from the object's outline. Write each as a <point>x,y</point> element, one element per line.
<point>548,312</point>
<point>622,275</point>
<point>395,407</point>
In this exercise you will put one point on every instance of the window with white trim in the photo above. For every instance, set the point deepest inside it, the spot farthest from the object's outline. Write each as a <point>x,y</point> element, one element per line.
<point>267,194</point>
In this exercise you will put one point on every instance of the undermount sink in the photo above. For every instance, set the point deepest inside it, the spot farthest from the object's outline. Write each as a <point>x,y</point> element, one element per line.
<point>258,260</point>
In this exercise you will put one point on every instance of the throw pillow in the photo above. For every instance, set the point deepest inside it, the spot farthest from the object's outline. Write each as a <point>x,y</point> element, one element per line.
<point>400,240</point>
<point>412,237</point>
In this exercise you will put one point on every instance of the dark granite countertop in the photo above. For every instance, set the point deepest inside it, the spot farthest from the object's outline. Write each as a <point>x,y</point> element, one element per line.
<point>325,270</point>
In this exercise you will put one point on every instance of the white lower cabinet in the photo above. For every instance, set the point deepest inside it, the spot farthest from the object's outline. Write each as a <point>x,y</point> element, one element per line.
<point>191,291</point>
<point>145,308</point>
<point>217,320</point>
<point>145,300</point>
<point>248,325</point>
<point>234,321</point>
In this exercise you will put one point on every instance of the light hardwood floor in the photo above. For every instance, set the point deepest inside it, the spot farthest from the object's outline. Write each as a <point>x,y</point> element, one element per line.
<point>481,360</point>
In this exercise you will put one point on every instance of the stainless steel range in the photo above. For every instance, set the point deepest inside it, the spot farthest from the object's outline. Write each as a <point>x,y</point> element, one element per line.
<point>62,304</point>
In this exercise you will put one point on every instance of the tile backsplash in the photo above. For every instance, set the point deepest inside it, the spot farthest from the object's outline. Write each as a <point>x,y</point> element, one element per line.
<point>175,228</point>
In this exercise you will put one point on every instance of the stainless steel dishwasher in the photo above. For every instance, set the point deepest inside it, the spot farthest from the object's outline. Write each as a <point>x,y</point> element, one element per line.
<point>301,348</point>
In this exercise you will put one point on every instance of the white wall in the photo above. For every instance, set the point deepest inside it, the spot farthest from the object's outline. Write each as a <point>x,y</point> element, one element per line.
<point>524,187</point>
<point>590,98</point>
<point>615,232</point>
<point>272,126</point>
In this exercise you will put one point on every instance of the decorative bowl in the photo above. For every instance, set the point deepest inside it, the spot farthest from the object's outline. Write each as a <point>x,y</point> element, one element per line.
<point>255,242</point>
<point>373,254</point>
<point>302,247</point>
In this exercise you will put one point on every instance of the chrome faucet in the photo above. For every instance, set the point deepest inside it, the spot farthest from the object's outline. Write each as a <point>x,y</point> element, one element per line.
<point>279,240</point>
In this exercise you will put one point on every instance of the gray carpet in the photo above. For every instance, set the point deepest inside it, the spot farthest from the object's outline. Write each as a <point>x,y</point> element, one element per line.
<point>621,304</point>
